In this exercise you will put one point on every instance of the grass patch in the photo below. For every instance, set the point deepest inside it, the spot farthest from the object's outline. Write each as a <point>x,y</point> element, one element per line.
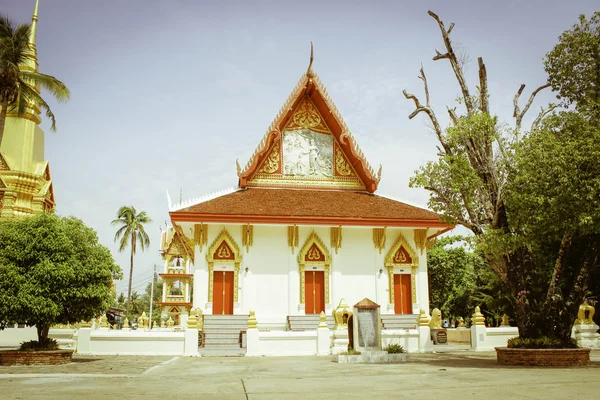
<point>540,343</point>
<point>394,348</point>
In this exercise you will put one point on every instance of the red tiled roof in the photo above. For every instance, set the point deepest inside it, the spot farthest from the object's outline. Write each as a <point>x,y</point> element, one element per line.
<point>295,206</point>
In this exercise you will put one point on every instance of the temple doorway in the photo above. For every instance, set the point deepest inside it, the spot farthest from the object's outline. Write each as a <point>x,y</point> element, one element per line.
<point>402,294</point>
<point>223,283</point>
<point>314,292</point>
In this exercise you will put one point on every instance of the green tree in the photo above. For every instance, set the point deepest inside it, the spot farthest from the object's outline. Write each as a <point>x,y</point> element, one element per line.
<point>158,288</point>
<point>52,270</point>
<point>121,301</point>
<point>573,65</point>
<point>131,233</point>
<point>19,86</point>
<point>480,181</point>
<point>452,272</point>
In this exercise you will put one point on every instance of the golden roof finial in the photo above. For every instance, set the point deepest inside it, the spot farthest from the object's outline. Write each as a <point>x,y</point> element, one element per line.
<point>309,71</point>
<point>34,19</point>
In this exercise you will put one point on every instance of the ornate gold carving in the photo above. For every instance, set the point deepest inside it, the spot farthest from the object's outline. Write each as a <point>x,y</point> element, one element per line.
<point>379,238</point>
<point>307,116</point>
<point>201,234</point>
<point>322,320</point>
<point>430,243</point>
<point>420,238</point>
<point>392,259</point>
<point>179,246</point>
<point>307,181</point>
<point>293,237</point>
<point>314,254</point>
<point>314,240</point>
<point>3,164</point>
<point>422,319</point>
<point>271,163</point>
<point>252,323</point>
<point>223,252</point>
<point>224,236</point>
<point>342,166</point>
<point>335,234</point>
<point>341,314</point>
<point>247,236</point>
<point>436,319</point>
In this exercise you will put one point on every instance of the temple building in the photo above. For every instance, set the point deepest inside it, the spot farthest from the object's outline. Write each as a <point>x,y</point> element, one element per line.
<point>25,183</point>
<point>303,229</point>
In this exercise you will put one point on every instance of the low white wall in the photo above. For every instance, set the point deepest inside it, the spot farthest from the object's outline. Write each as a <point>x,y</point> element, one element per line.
<point>13,337</point>
<point>287,343</point>
<point>407,338</point>
<point>484,338</point>
<point>66,338</point>
<point>130,342</point>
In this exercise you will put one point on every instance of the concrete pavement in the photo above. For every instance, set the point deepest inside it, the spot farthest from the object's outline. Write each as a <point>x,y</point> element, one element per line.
<point>426,376</point>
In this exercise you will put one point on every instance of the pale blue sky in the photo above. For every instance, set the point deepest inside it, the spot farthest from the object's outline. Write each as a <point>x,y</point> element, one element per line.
<point>167,94</point>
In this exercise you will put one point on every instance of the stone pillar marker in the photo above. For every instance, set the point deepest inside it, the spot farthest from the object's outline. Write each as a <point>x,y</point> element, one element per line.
<point>323,334</point>
<point>367,326</point>
<point>191,337</point>
<point>252,339</point>
<point>478,330</point>
<point>424,332</point>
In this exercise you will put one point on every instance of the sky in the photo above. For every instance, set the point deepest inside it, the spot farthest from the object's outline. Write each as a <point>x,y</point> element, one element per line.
<point>166,95</point>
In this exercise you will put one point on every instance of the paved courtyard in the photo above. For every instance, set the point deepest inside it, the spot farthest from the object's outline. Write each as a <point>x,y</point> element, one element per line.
<point>427,376</point>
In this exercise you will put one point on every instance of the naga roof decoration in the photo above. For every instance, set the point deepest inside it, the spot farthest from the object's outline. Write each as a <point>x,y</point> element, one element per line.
<point>303,126</point>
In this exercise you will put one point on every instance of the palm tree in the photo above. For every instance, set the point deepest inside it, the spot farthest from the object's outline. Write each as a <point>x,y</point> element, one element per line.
<point>131,232</point>
<point>19,86</point>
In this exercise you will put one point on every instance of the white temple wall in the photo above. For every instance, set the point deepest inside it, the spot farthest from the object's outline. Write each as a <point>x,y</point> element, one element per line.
<point>271,285</point>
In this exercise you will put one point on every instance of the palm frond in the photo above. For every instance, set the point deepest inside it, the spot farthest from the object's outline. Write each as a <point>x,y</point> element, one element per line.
<point>58,89</point>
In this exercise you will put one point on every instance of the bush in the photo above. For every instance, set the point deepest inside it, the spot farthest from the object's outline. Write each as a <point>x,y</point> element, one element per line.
<point>540,343</point>
<point>44,345</point>
<point>351,352</point>
<point>394,348</point>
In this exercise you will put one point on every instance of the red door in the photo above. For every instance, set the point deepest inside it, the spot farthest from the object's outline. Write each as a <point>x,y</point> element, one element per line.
<point>402,294</point>
<point>222,292</point>
<point>314,292</point>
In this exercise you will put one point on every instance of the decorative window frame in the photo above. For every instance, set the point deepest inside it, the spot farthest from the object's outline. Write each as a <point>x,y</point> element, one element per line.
<point>390,264</point>
<point>313,239</point>
<point>226,237</point>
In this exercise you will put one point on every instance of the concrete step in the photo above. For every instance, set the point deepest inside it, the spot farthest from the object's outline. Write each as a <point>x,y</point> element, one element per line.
<point>307,322</point>
<point>399,321</point>
<point>224,335</point>
<point>220,339</point>
<point>222,345</point>
<point>212,352</point>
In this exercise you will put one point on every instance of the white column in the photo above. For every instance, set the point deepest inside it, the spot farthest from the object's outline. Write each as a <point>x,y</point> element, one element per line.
<point>191,342</point>
<point>323,342</point>
<point>422,283</point>
<point>252,342</point>
<point>84,340</point>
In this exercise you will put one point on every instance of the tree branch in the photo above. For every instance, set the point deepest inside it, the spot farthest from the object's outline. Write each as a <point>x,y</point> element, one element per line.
<point>451,56</point>
<point>561,259</point>
<point>518,114</point>
<point>427,110</point>
<point>542,115</point>
<point>483,88</point>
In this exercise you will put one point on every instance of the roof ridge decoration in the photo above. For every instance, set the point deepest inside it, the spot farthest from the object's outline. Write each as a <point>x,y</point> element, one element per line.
<point>199,199</point>
<point>308,84</point>
<point>179,245</point>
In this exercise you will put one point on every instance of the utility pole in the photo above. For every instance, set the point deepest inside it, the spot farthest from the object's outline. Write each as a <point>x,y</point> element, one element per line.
<point>152,296</point>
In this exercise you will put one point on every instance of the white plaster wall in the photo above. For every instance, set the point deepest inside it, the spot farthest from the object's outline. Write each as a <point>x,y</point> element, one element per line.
<point>287,343</point>
<point>135,343</point>
<point>13,337</point>
<point>271,286</point>
<point>268,273</point>
<point>407,338</point>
